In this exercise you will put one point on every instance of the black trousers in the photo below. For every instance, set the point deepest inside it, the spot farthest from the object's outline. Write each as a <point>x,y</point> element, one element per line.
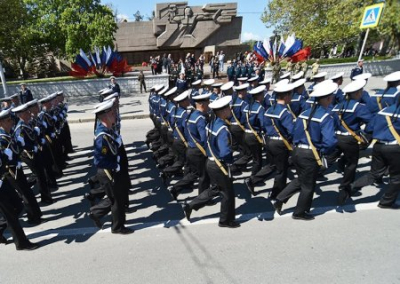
<point>65,139</point>
<point>307,170</point>
<point>256,152</point>
<point>238,136</point>
<point>377,171</point>
<point>123,175</point>
<point>114,202</point>
<point>196,162</point>
<point>20,184</point>
<point>221,185</point>
<point>179,151</point>
<point>142,85</point>
<point>279,155</point>
<point>351,152</point>
<point>384,156</point>
<point>37,167</point>
<point>10,208</point>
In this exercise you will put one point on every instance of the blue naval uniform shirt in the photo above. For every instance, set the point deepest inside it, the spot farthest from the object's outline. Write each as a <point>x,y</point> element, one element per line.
<point>354,115</point>
<point>237,107</point>
<point>386,97</point>
<point>7,141</point>
<point>170,110</point>
<point>27,133</point>
<point>105,148</point>
<point>162,113</point>
<point>219,139</point>
<point>179,118</point>
<point>255,113</point>
<point>339,96</point>
<point>298,103</point>
<point>196,122</point>
<point>214,97</point>
<point>381,130</point>
<point>181,85</point>
<point>321,129</point>
<point>283,119</point>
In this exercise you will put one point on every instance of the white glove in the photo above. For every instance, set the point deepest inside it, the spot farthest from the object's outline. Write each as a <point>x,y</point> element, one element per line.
<point>43,141</point>
<point>44,124</point>
<point>117,169</point>
<point>35,149</point>
<point>118,158</point>
<point>21,140</point>
<point>37,129</point>
<point>1,183</point>
<point>53,135</point>
<point>8,153</point>
<point>19,165</point>
<point>55,118</point>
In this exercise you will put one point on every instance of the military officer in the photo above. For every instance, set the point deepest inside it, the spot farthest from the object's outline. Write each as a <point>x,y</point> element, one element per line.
<point>220,157</point>
<point>298,103</point>
<point>385,97</point>
<point>278,129</point>
<point>254,117</point>
<point>276,70</point>
<point>107,164</point>
<point>181,83</point>
<point>114,86</point>
<point>195,134</point>
<point>339,95</point>
<point>216,91</point>
<point>15,174</point>
<point>304,68</point>
<point>231,72</point>
<point>314,68</point>
<point>352,115</point>
<point>25,95</point>
<point>314,137</point>
<point>207,86</point>
<point>358,70</point>
<point>366,98</point>
<point>26,137</point>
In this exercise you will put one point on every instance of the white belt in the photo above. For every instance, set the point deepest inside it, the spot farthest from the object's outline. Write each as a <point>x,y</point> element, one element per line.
<point>343,133</point>
<point>303,146</point>
<point>234,123</point>
<point>249,131</point>
<point>389,143</point>
<point>211,159</point>
<point>275,137</point>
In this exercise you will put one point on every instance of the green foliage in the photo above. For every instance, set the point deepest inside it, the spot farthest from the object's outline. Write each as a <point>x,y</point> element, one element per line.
<point>322,23</point>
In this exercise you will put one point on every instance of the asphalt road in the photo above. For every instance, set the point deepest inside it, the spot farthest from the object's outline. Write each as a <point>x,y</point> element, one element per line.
<point>356,243</point>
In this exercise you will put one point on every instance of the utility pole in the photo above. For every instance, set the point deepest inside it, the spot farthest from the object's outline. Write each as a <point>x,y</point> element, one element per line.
<point>3,79</point>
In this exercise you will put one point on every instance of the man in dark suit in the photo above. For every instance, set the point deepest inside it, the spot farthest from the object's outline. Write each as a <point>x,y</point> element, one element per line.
<point>25,95</point>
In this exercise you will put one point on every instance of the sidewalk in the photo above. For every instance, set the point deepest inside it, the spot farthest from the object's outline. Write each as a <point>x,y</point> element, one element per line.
<point>136,106</point>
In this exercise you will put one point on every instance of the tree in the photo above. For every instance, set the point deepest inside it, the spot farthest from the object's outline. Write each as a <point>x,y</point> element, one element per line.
<point>138,17</point>
<point>331,21</point>
<point>71,25</point>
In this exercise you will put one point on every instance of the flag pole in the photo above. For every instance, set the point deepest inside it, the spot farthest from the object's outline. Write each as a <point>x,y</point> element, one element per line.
<point>363,46</point>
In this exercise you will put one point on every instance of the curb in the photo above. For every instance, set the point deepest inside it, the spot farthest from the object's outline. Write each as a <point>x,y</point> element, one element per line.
<point>125,117</point>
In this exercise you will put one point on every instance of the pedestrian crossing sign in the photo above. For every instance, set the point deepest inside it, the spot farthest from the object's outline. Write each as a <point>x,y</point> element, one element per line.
<point>371,16</point>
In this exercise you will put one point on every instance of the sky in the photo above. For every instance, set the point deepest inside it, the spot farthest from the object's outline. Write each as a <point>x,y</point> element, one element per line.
<point>250,10</point>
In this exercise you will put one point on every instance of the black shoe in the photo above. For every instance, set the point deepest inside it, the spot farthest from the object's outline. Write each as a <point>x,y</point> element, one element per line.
<point>188,212</point>
<point>89,197</point>
<point>96,220</point>
<point>28,246</point>
<point>343,196</point>
<point>231,224</point>
<point>124,231</point>
<point>303,216</point>
<point>393,206</point>
<point>249,186</point>
<point>164,177</point>
<point>3,240</point>
<point>37,221</point>
<point>174,194</point>
<point>278,207</point>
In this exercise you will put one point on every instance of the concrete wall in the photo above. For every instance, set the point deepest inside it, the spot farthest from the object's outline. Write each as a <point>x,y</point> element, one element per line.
<point>377,68</point>
<point>87,87</point>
